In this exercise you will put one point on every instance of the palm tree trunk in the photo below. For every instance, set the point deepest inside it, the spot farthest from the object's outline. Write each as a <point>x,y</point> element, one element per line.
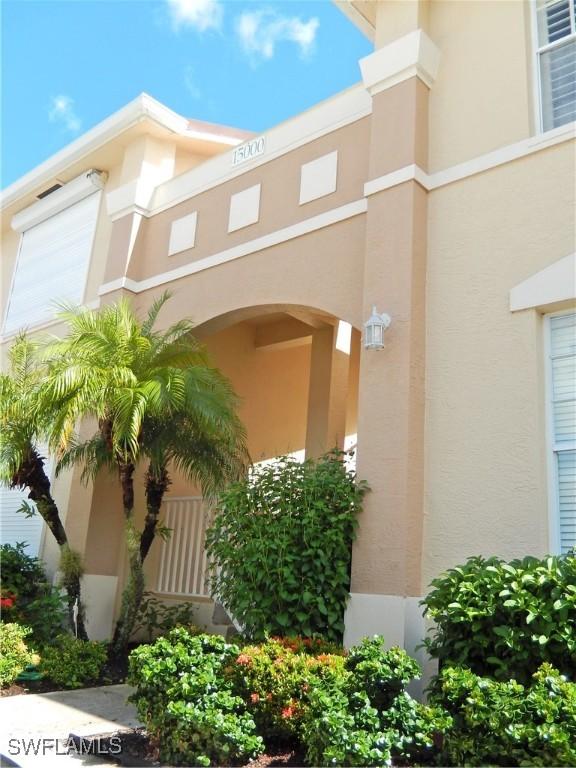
<point>31,475</point>
<point>156,487</point>
<point>134,589</point>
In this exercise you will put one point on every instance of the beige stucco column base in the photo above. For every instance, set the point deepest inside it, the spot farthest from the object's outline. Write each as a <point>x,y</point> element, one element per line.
<point>399,620</point>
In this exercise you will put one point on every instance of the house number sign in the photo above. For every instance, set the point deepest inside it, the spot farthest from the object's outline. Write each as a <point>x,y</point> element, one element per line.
<point>247,151</point>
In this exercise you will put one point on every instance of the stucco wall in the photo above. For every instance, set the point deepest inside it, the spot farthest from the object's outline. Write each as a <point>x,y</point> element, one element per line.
<point>486,484</point>
<point>483,96</point>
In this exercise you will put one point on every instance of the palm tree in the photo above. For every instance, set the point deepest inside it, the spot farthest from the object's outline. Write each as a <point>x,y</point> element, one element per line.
<point>24,422</point>
<point>156,399</point>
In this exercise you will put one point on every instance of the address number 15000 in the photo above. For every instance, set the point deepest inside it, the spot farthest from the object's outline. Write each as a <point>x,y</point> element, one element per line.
<point>249,150</point>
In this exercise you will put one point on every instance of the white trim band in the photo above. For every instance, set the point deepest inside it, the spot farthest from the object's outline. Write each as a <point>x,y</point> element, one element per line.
<point>471,167</point>
<point>312,224</point>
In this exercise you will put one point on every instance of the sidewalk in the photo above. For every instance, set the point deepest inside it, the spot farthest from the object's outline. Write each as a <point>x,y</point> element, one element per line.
<point>29,719</point>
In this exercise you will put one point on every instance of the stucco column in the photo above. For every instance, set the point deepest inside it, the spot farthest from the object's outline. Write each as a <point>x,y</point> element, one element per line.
<point>327,392</point>
<point>386,562</point>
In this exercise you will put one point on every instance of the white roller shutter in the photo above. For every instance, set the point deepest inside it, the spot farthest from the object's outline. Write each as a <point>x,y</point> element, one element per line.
<point>563,362</point>
<point>52,264</point>
<point>15,526</point>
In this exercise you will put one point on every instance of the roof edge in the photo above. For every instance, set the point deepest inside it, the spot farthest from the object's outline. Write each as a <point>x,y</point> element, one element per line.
<point>142,107</point>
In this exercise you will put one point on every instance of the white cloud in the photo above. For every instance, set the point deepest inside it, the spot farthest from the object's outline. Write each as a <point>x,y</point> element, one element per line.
<point>190,83</point>
<point>62,111</point>
<point>260,31</point>
<point>200,14</point>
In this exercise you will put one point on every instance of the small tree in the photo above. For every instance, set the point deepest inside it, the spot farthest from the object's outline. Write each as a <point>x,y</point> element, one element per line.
<point>157,400</point>
<point>25,420</point>
<point>280,547</point>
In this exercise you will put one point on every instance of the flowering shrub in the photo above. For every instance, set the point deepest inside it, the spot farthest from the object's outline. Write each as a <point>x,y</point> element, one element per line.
<point>276,679</point>
<point>187,702</point>
<point>7,600</point>
<point>14,653</point>
<point>280,547</point>
<point>506,723</point>
<point>27,597</point>
<point>503,619</point>
<point>72,663</point>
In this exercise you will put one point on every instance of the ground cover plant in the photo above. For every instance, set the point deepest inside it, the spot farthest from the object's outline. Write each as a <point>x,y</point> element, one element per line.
<point>280,547</point>
<point>503,620</point>
<point>72,663</point>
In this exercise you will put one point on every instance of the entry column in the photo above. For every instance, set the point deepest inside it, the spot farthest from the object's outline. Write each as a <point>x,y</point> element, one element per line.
<point>386,563</point>
<point>327,390</point>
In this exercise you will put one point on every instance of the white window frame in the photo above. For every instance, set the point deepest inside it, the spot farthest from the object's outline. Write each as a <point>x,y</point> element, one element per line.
<point>552,447</point>
<point>538,50</point>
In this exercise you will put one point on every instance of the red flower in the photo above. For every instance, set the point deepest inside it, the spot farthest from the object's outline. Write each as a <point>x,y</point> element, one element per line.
<point>287,712</point>
<point>243,659</point>
<point>254,698</point>
<point>6,602</point>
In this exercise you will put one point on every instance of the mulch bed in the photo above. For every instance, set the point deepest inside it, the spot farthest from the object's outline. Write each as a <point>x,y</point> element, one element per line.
<point>137,751</point>
<point>13,690</point>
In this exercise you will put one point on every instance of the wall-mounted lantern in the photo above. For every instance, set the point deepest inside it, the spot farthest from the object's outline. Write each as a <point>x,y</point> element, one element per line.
<point>374,329</point>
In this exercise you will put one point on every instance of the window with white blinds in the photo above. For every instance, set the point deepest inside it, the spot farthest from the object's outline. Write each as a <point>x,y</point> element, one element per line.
<point>556,31</point>
<point>52,264</point>
<point>563,427</point>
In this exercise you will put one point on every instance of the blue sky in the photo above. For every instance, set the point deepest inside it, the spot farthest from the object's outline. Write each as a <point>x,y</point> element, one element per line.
<point>68,64</point>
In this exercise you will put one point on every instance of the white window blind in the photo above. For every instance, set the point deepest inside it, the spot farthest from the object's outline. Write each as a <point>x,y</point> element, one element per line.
<point>556,29</point>
<point>563,363</point>
<point>52,264</point>
<point>14,525</point>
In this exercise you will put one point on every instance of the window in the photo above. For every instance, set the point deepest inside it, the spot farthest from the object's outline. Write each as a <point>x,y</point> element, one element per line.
<point>563,426</point>
<point>556,41</point>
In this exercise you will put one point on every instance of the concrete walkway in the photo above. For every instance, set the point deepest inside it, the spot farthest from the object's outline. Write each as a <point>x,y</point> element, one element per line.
<point>34,728</point>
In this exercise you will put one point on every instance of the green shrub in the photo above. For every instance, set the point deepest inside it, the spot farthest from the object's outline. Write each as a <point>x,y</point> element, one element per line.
<point>505,723</point>
<point>366,717</point>
<point>280,547</point>
<point>14,653</point>
<point>505,619</point>
<point>276,679</point>
<point>187,702</point>
<point>156,617</point>
<point>72,663</point>
<point>35,603</point>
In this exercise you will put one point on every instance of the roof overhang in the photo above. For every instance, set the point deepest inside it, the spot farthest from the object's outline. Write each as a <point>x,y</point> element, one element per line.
<point>362,13</point>
<point>142,115</point>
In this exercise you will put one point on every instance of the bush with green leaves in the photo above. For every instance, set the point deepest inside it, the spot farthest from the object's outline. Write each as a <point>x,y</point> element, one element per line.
<point>187,703</point>
<point>157,617</point>
<point>280,547</point>
<point>366,717</point>
<point>506,723</point>
<point>34,602</point>
<point>72,663</point>
<point>14,653</point>
<point>505,619</point>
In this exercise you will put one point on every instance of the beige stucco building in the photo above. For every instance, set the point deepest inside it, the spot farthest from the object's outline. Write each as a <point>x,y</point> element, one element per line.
<point>440,190</point>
